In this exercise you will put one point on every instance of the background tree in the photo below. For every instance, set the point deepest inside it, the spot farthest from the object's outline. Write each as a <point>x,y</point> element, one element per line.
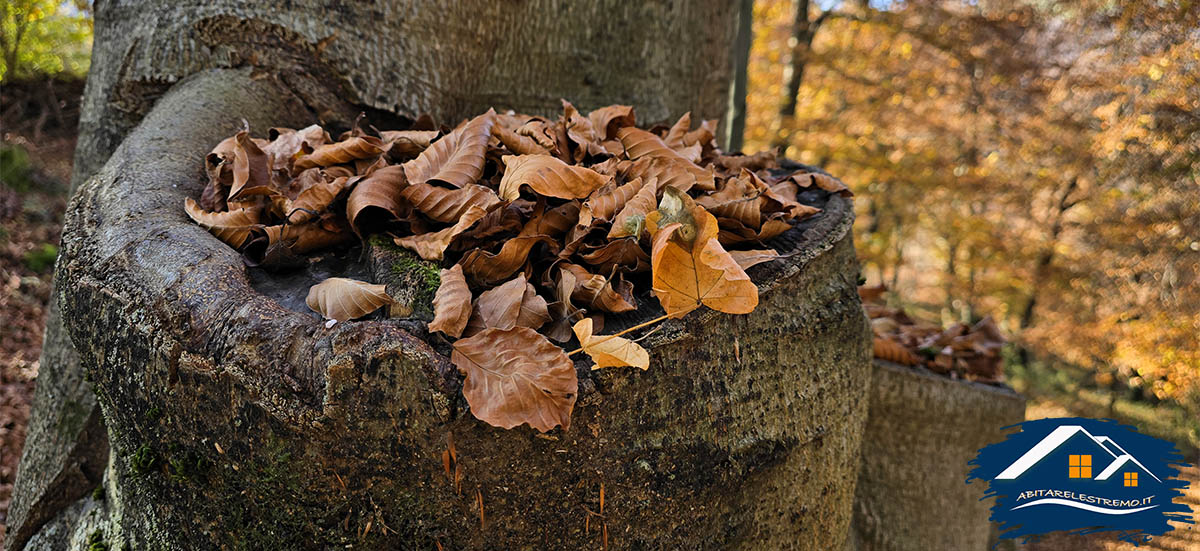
<point>1033,161</point>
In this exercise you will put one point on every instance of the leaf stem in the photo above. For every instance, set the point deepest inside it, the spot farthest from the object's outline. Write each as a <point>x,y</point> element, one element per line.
<point>634,328</point>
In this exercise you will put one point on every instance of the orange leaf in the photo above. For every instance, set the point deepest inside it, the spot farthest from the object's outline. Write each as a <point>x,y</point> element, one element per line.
<point>689,274</point>
<point>610,351</point>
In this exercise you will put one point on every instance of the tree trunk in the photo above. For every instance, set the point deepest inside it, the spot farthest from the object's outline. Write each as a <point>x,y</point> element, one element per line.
<point>922,432</point>
<point>235,422</point>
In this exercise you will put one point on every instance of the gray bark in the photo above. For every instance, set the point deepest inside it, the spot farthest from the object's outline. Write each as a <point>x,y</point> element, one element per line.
<point>922,431</point>
<point>734,129</point>
<point>235,422</point>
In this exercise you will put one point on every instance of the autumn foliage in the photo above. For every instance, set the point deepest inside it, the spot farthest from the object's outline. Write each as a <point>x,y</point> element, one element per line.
<point>1032,161</point>
<point>541,227</point>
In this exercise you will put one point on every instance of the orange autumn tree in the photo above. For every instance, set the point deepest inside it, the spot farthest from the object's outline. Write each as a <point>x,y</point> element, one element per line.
<point>1033,161</point>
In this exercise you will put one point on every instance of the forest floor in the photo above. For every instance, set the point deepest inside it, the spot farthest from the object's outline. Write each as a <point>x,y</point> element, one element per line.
<point>36,148</point>
<point>32,203</point>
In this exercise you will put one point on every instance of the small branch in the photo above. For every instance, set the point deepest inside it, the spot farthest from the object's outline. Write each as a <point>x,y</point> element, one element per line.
<point>634,328</point>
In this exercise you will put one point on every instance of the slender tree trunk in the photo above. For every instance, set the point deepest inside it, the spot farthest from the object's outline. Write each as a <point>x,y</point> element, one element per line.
<point>735,116</point>
<point>803,31</point>
<point>236,423</point>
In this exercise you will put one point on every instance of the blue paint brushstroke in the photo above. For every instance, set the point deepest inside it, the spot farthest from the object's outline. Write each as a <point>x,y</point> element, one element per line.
<point>1032,504</point>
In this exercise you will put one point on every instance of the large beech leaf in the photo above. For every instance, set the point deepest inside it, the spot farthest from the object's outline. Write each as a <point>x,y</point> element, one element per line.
<point>610,351</point>
<point>232,227</point>
<point>431,246</point>
<point>447,205</point>
<point>456,159</point>
<point>343,299</point>
<point>516,376</point>
<point>355,148</point>
<point>451,303</point>
<point>547,176</point>
<point>688,273</point>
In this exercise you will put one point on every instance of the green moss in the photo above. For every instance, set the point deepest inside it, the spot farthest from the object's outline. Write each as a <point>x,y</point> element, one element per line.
<point>143,461</point>
<point>410,267</point>
<point>187,465</point>
<point>41,259</point>
<point>153,414</point>
<point>96,541</point>
<point>98,492</point>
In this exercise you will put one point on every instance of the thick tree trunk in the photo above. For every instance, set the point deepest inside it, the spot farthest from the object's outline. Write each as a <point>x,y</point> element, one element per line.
<point>237,423</point>
<point>922,432</point>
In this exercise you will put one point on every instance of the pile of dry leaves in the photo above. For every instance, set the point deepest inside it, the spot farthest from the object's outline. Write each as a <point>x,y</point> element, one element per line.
<point>959,351</point>
<point>542,227</point>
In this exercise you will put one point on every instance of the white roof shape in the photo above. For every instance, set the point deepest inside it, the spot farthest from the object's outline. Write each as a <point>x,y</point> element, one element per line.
<point>1048,444</point>
<point>1121,461</point>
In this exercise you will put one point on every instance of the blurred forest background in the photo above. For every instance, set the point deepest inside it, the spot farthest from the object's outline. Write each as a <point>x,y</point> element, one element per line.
<point>1037,161</point>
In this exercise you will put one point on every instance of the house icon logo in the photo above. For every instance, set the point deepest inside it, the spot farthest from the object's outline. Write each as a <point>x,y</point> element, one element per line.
<point>1082,475</point>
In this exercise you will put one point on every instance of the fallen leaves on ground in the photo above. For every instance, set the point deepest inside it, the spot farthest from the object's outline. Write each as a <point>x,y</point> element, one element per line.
<point>543,226</point>
<point>957,351</point>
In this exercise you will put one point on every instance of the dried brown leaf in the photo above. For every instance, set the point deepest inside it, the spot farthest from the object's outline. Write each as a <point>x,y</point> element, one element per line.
<point>456,159</point>
<point>377,197</point>
<point>447,205</point>
<point>232,227</point>
<point>632,219</point>
<point>513,304</point>
<point>343,299</point>
<point>350,150</point>
<point>451,303</point>
<point>607,120</point>
<point>547,176</point>
<point>516,376</point>
<point>610,351</point>
<point>640,144</point>
<point>431,246</point>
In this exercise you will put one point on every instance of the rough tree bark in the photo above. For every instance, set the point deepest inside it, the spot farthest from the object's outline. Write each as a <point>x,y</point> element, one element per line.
<point>922,432</point>
<point>235,422</point>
